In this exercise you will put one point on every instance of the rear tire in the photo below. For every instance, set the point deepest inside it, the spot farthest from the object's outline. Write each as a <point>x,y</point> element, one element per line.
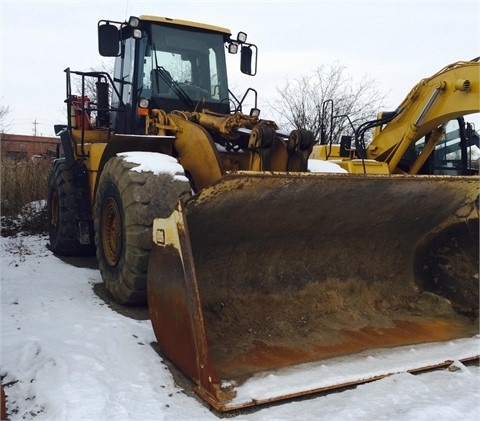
<point>61,212</point>
<point>126,203</point>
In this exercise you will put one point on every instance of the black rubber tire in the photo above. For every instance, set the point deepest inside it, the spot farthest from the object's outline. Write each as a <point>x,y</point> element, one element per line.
<point>61,213</point>
<point>126,203</point>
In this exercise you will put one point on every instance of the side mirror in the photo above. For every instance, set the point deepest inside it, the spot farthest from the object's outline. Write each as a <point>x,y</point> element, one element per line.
<point>247,59</point>
<point>108,39</point>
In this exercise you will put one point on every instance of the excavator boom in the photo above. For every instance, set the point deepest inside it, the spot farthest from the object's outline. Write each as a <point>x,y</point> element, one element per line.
<point>452,92</point>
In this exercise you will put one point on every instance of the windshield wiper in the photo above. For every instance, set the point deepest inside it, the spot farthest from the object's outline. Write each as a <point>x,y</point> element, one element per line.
<point>172,83</point>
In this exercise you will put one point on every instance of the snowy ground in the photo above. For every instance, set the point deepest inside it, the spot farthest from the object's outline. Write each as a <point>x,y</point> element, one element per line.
<point>66,355</point>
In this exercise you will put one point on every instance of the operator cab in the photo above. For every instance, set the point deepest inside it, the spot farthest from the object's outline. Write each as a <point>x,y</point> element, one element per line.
<point>171,65</point>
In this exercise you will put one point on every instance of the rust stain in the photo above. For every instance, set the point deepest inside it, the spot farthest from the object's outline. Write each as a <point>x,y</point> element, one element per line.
<point>404,332</point>
<point>263,356</point>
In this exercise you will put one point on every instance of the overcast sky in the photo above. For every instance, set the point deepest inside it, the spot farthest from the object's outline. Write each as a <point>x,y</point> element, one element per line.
<point>396,43</point>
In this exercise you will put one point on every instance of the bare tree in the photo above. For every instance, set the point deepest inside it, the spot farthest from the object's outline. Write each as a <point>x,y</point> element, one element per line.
<point>90,88</point>
<point>4,111</point>
<point>322,101</point>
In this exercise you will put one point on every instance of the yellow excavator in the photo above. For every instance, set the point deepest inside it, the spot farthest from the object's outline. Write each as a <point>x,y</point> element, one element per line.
<point>264,280</point>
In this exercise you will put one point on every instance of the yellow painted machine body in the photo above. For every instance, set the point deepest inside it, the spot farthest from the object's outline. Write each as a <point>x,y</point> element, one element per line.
<point>265,265</point>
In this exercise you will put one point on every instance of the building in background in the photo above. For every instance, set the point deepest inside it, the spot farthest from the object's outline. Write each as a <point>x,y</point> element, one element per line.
<point>22,147</point>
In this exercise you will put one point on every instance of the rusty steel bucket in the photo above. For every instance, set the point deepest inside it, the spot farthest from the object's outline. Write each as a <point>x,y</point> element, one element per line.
<point>264,272</point>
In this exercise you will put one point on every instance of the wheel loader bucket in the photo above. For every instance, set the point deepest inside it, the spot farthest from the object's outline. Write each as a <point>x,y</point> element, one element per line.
<point>269,286</point>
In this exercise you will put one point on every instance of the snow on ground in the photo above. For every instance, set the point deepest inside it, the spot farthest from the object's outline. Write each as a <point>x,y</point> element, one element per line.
<point>66,355</point>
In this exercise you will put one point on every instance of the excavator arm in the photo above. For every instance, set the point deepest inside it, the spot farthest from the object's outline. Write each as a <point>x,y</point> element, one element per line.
<point>449,94</point>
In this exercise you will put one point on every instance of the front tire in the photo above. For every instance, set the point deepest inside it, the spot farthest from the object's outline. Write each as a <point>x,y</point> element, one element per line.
<point>126,203</point>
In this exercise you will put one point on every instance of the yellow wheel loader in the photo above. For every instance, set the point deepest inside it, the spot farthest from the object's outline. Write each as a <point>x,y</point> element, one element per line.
<point>264,280</point>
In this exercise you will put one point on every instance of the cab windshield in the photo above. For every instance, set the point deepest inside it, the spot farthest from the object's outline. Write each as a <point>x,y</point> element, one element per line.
<point>186,65</point>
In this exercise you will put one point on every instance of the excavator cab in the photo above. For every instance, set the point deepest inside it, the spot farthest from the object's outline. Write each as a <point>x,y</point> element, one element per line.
<point>454,154</point>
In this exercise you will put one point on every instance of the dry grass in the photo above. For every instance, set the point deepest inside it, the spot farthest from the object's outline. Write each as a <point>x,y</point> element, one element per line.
<point>23,195</point>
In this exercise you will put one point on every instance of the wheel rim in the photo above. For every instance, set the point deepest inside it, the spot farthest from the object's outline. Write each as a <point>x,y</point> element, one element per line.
<point>111,232</point>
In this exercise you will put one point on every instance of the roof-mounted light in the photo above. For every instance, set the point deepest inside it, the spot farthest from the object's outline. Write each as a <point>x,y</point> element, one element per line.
<point>133,21</point>
<point>242,37</point>
<point>233,48</point>
<point>137,33</point>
